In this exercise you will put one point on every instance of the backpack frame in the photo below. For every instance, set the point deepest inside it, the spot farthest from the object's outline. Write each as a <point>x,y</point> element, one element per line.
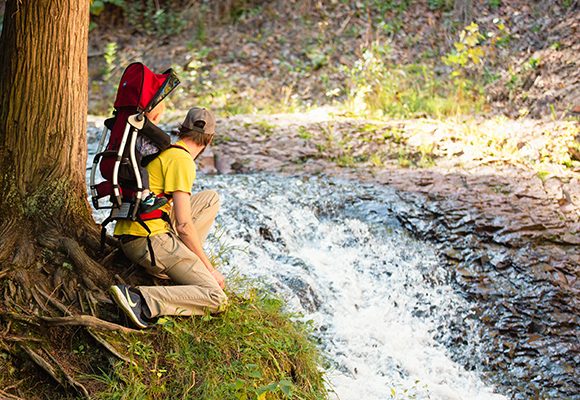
<point>139,92</point>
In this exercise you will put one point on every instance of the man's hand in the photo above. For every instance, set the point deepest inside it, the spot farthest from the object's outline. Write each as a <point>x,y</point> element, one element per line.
<point>221,280</point>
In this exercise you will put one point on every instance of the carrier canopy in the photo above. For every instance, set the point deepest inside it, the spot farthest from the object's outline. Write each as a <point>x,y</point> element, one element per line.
<point>142,89</point>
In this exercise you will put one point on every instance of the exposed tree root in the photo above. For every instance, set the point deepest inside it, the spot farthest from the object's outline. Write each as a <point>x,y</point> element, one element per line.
<point>86,265</point>
<point>50,283</point>
<point>20,339</point>
<point>107,262</point>
<point>55,370</point>
<point>53,301</point>
<point>87,320</point>
<point>103,342</point>
<point>7,396</point>
<point>8,238</point>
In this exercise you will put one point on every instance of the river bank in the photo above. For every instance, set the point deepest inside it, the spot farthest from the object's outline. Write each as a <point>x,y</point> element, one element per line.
<point>498,198</point>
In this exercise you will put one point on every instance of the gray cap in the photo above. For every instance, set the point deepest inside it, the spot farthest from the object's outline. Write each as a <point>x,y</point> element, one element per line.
<point>200,114</point>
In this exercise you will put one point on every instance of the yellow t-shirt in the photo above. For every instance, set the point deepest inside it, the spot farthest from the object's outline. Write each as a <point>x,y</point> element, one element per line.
<point>173,170</point>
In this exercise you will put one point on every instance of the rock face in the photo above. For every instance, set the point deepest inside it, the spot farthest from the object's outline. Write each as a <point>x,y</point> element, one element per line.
<point>500,201</point>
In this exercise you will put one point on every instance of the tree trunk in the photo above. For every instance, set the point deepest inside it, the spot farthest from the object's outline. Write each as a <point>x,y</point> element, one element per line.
<point>43,107</point>
<point>46,227</point>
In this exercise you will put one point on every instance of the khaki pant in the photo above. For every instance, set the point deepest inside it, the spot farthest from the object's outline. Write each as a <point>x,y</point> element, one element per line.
<point>198,290</point>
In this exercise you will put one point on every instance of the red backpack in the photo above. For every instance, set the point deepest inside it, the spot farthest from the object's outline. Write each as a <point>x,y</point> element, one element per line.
<point>140,90</point>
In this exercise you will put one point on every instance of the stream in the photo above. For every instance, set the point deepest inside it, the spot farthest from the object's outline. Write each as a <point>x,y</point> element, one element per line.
<point>386,311</point>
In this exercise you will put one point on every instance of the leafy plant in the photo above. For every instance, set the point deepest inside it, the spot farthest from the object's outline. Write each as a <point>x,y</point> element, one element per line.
<point>110,57</point>
<point>466,55</point>
<point>380,89</point>
<point>153,18</point>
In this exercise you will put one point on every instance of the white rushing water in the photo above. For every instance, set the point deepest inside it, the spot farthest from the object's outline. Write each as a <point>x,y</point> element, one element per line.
<point>338,256</point>
<point>376,296</point>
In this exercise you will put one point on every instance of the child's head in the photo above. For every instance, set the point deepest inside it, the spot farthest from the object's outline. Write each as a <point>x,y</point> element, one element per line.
<point>155,114</point>
<point>198,126</point>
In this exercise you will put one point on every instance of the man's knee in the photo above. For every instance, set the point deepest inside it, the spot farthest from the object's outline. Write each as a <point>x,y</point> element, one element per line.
<point>208,197</point>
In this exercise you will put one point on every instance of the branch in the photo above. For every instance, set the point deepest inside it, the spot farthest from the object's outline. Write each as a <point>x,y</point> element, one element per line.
<point>20,339</point>
<point>8,396</point>
<point>53,301</point>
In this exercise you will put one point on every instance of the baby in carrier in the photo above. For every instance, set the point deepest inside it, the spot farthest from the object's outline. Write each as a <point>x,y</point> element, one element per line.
<point>147,151</point>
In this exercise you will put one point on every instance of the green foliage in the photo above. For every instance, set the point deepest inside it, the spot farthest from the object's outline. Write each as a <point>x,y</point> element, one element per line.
<point>241,12</point>
<point>386,5</point>
<point>253,350</point>
<point>466,55</point>
<point>304,134</point>
<point>153,18</point>
<point>98,6</point>
<point>110,58</point>
<point>438,4</point>
<point>380,89</point>
<point>494,4</point>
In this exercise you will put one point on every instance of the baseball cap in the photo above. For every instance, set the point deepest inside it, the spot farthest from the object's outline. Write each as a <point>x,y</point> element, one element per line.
<point>200,114</point>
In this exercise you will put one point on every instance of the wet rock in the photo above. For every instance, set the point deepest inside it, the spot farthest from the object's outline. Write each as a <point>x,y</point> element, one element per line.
<point>223,164</point>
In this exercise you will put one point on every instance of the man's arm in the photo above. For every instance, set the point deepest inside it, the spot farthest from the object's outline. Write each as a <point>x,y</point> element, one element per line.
<point>188,233</point>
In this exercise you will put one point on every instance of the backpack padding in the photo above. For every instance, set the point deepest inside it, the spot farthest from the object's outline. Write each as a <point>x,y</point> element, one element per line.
<point>156,135</point>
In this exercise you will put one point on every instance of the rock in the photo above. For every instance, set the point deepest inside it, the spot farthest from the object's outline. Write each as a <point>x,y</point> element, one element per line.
<point>222,164</point>
<point>206,162</point>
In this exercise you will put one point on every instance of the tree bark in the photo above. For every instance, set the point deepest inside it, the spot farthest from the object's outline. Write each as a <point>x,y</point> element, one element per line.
<point>46,226</point>
<point>43,107</point>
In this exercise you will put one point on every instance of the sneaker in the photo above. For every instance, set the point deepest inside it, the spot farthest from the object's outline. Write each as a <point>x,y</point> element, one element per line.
<point>152,203</point>
<point>130,302</point>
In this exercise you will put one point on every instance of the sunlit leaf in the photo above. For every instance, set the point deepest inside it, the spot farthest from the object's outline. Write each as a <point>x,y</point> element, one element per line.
<point>473,27</point>
<point>266,388</point>
<point>97,7</point>
<point>239,384</point>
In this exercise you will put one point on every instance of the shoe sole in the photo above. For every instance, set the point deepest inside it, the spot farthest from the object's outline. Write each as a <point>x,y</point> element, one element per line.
<point>121,301</point>
<point>152,208</point>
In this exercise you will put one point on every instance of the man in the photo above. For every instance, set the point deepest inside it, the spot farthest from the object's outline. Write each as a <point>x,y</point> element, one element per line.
<point>177,247</point>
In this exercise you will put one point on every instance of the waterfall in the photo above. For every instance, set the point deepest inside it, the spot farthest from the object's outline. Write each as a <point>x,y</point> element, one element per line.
<point>379,303</point>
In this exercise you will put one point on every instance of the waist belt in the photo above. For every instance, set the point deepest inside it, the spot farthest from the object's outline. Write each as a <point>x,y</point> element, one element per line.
<point>129,238</point>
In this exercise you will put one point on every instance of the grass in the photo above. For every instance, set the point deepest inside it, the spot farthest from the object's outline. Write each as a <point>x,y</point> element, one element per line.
<point>253,350</point>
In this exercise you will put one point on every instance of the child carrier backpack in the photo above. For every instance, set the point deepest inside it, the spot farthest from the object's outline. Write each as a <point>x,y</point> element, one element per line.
<point>140,90</point>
